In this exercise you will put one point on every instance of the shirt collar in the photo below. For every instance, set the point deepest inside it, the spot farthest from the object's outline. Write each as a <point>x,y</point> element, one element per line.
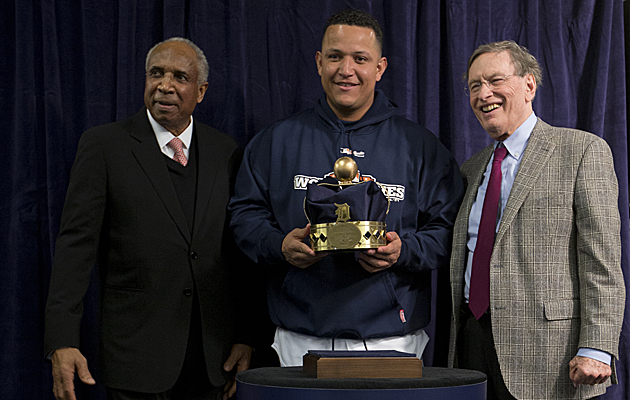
<point>516,142</point>
<point>163,136</point>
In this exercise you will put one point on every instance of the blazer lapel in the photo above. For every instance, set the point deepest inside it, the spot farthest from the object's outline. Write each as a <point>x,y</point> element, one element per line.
<point>536,155</point>
<point>476,179</point>
<point>206,175</point>
<point>474,175</point>
<point>151,159</point>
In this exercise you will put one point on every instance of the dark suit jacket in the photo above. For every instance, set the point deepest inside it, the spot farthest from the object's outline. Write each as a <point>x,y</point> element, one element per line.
<point>555,278</point>
<point>122,210</point>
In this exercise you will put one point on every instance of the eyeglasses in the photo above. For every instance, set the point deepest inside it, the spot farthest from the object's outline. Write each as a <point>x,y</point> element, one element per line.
<point>475,87</point>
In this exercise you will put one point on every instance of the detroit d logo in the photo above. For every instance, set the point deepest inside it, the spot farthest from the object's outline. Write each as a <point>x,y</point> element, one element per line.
<point>342,212</point>
<point>343,234</point>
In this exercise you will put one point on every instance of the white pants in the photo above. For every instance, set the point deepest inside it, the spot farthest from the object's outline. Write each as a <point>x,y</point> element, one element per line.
<point>292,346</point>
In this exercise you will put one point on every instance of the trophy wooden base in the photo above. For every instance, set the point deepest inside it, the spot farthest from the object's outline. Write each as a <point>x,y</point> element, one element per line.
<point>361,364</point>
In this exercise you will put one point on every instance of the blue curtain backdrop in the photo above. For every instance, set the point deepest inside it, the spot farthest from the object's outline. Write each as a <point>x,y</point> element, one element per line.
<point>69,65</point>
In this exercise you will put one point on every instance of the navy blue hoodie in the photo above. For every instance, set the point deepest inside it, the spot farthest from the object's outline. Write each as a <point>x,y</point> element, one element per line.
<point>336,297</point>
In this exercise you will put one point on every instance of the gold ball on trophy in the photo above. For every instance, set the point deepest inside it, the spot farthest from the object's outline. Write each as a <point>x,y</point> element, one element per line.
<point>345,169</point>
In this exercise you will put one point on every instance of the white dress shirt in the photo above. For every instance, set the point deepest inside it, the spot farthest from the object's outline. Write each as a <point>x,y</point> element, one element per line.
<point>163,136</point>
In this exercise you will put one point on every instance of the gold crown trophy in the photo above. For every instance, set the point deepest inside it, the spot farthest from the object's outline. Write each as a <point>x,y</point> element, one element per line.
<point>345,234</point>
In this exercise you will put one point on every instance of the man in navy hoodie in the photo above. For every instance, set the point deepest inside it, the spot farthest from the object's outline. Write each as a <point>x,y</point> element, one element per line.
<point>375,299</point>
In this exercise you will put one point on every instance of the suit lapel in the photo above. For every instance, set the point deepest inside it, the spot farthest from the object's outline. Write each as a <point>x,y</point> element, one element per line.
<point>536,155</point>
<point>151,159</point>
<point>476,179</point>
<point>474,175</point>
<point>206,175</point>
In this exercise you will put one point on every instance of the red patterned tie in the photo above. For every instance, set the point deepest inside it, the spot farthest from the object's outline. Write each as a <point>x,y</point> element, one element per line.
<point>479,297</point>
<point>177,145</point>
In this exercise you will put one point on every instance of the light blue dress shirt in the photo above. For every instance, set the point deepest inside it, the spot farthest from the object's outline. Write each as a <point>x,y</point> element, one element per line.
<point>515,145</point>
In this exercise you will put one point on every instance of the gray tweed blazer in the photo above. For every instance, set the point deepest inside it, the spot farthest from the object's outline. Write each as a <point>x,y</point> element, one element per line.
<point>555,277</point>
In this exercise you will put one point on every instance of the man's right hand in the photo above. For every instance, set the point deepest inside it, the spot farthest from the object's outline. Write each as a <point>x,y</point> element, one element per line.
<point>65,362</point>
<point>296,252</point>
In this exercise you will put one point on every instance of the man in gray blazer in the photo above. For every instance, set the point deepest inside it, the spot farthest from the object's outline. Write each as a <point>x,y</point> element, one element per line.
<point>537,287</point>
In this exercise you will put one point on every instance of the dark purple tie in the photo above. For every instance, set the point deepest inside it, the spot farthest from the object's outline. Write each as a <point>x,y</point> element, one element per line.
<point>479,296</point>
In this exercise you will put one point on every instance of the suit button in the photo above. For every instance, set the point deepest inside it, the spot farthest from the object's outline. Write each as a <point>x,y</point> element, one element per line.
<point>187,292</point>
<point>193,255</point>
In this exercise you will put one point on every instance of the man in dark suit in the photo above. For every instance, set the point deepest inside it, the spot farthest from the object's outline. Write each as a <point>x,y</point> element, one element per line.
<point>151,212</point>
<point>538,298</point>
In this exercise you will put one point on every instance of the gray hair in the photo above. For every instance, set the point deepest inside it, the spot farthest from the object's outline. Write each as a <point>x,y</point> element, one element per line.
<point>523,61</point>
<point>202,63</point>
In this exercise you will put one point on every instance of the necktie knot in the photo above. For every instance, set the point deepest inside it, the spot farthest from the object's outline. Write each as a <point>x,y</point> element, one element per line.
<point>500,153</point>
<point>178,146</point>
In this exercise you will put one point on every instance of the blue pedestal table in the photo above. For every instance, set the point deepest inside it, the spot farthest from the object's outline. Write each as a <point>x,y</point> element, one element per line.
<point>292,383</point>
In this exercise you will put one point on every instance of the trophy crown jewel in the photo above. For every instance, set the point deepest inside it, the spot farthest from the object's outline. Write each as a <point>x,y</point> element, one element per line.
<point>346,215</point>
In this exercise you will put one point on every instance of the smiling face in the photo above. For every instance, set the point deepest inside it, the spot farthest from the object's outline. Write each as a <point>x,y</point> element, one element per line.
<point>171,91</point>
<point>350,64</point>
<point>501,110</point>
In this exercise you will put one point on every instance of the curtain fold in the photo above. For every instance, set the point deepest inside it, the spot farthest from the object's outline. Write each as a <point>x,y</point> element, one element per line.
<point>71,65</point>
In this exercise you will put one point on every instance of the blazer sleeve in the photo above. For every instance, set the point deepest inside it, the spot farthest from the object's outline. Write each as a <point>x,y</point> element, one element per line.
<point>602,292</point>
<point>76,250</point>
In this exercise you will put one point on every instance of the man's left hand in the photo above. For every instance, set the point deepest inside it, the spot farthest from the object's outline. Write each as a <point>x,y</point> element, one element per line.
<point>587,371</point>
<point>375,260</point>
<point>240,356</point>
